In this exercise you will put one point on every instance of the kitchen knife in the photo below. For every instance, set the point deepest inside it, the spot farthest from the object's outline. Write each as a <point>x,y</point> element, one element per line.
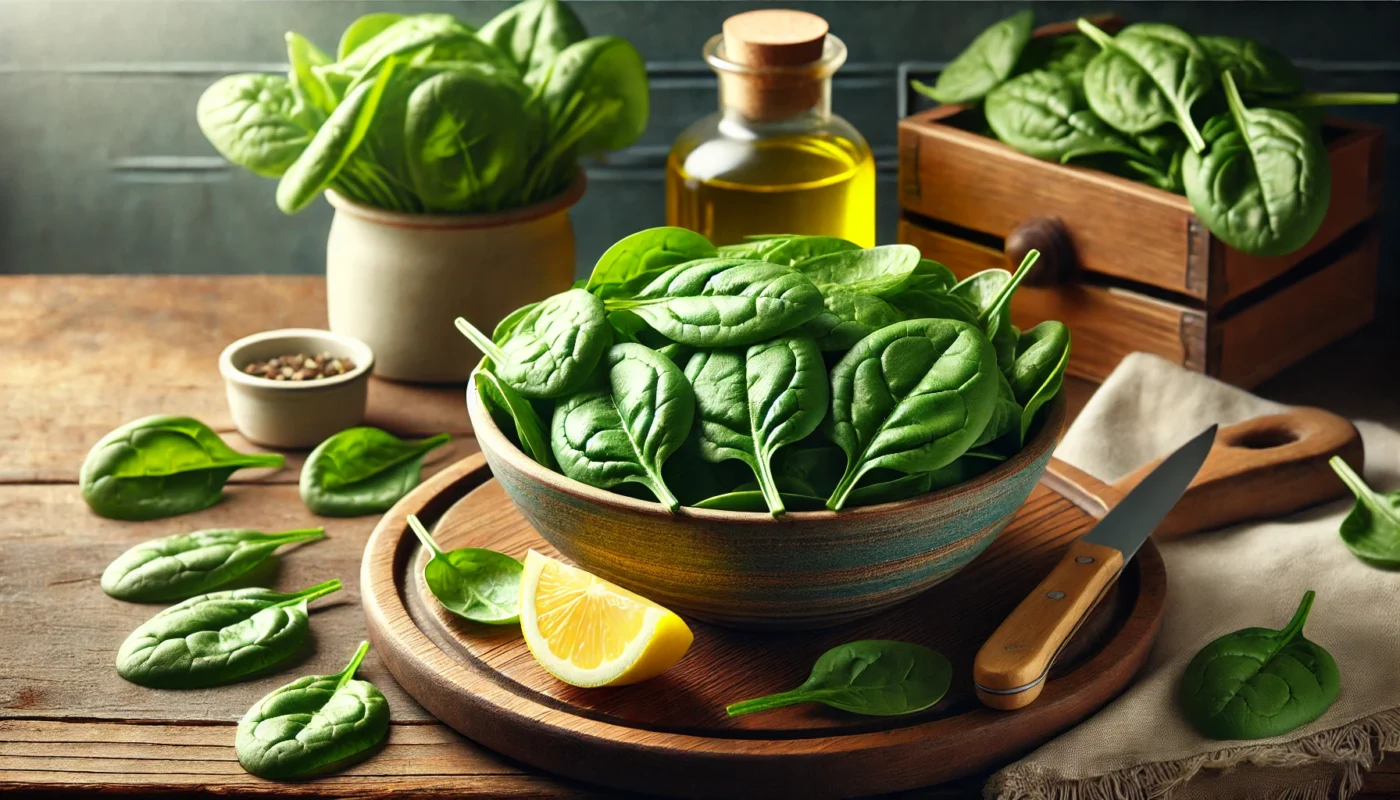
<point>1010,669</point>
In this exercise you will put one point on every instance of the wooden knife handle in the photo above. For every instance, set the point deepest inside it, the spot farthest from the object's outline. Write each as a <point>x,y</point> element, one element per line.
<point>1010,669</point>
<point>1264,467</point>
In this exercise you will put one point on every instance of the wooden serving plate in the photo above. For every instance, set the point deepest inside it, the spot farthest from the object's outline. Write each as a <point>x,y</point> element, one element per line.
<point>670,735</point>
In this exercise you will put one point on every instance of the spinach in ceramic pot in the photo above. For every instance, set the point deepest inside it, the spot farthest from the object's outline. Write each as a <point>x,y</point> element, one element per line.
<point>187,564</point>
<point>161,466</point>
<point>363,471</point>
<point>532,33</point>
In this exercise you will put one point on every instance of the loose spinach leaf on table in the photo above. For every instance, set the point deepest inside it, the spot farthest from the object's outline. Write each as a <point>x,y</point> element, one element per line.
<point>314,725</point>
<point>786,250</point>
<point>988,61</point>
<point>218,638</point>
<point>363,471</point>
<point>725,302</point>
<point>912,397</point>
<point>1372,529</point>
<point>635,261</point>
<point>1264,185</point>
<point>1148,75</point>
<point>625,432</point>
<point>472,582</point>
<point>1257,682</point>
<point>876,677</point>
<point>1043,114</point>
<point>550,350</point>
<point>161,466</point>
<point>533,33</point>
<point>514,415</point>
<point>1042,354</point>
<point>751,403</point>
<point>1257,68</point>
<point>187,564</point>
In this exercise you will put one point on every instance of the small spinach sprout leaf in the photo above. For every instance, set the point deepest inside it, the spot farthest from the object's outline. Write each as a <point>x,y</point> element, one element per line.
<point>1264,185</point>
<point>1372,529</point>
<point>1148,75</point>
<point>624,432</point>
<point>363,471</point>
<point>988,61</point>
<point>513,413</point>
<point>472,582</point>
<point>725,302</point>
<point>187,564</point>
<point>751,403</point>
<point>314,725</point>
<point>876,677</point>
<point>552,349</point>
<point>218,638</point>
<point>161,466</point>
<point>636,260</point>
<point>910,397</point>
<point>1256,683</point>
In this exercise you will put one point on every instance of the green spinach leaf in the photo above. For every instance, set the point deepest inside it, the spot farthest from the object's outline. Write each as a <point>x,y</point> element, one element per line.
<point>990,291</point>
<point>514,414</point>
<point>750,404</point>
<point>893,489</point>
<point>596,94</point>
<point>552,349</point>
<point>626,431</point>
<point>303,56</point>
<point>472,582</point>
<point>1264,185</point>
<point>314,725</point>
<point>218,638</point>
<point>1006,414</point>
<point>181,566</point>
<point>1148,75</point>
<point>876,677</point>
<point>1257,68</point>
<point>1042,354</point>
<point>1043,114</point>
<point>363,471</point>
<point>754,501</point>
<point>363,30</point>
<point>910,397</point>
<point>725,302</point>
<point>159,467</point>
<point>848,318</point>
<point>635,261</point>
<point>877,271</point>
<point>257,122</point>
<point>1372,529</point>
<point>786,250</point>
<point>1256,683</point>
<point>533,33</point>
<point>1068,53</point>
<point>988,61</point>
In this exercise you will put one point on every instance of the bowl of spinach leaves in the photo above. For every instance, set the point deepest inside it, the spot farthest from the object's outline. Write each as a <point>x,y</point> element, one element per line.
<point>447,151</point>
<point>788,432</point>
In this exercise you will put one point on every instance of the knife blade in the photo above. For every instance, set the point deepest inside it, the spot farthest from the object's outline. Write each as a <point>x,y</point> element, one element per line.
<point>1010,669</point>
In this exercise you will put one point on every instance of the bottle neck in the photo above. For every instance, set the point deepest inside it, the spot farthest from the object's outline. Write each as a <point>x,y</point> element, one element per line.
<point>760,99</point>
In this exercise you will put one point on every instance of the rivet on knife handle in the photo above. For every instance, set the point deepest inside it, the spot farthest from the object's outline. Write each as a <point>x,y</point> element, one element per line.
<point>1010,669</point>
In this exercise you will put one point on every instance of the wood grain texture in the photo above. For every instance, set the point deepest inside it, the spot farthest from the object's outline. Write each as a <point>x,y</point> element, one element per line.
<point>1105,324</point>
<point>88,353</point>
<point>670,735</point>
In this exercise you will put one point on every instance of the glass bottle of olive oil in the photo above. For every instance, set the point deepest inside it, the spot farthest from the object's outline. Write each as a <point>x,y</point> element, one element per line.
<point>773,159</point>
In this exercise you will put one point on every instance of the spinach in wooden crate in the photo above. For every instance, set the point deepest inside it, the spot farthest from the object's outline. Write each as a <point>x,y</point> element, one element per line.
<point>722,362</point>
<point>1221,119</point>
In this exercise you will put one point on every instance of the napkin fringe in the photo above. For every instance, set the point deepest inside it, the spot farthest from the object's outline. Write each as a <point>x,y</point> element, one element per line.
<point>1352,748</point>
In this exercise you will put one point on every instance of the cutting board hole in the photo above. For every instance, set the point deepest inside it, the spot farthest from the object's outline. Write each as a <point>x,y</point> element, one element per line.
<point>1264,439</point>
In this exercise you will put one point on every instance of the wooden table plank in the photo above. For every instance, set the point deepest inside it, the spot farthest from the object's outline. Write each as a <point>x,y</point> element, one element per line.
<point>84,354</point>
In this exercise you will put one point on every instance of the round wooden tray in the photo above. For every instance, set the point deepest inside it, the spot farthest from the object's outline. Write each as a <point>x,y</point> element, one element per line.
<point>670,735</point>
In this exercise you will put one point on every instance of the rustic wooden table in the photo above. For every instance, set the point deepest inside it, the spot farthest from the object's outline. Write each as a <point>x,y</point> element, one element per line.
<point>80,355</point>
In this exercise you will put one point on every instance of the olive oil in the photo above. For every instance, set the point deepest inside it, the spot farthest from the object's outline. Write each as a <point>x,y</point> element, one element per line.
<point>773,159</point>
<point>727,189</point>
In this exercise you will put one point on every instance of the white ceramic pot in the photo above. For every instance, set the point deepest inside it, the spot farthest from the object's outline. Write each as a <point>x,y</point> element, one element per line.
<point>397,281</point>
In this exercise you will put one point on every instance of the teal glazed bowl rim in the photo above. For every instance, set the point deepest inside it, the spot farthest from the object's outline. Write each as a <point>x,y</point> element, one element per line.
<point>493,441</point>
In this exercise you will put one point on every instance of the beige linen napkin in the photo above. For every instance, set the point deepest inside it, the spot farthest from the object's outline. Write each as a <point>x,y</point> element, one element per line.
<point>1140,745</point>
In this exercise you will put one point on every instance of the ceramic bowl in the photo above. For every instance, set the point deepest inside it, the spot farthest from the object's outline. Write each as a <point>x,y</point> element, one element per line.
<point>295,414</point>
<point>802,570</point>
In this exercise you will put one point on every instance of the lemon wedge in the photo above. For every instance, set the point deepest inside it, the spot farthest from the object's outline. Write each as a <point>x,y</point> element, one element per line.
<point>588,632</point>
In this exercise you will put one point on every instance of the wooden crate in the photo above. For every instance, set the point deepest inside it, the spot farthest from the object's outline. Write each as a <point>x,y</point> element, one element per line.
<point>1130,267</point>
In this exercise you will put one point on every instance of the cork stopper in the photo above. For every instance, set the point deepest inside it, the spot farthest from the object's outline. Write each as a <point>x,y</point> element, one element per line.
<point>774,63</point>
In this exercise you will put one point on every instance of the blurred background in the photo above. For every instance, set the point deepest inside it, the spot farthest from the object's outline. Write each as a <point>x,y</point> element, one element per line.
<point>103,170</point>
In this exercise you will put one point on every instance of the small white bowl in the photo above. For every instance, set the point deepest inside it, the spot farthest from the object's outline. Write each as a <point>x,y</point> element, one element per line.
<point>295,414</point>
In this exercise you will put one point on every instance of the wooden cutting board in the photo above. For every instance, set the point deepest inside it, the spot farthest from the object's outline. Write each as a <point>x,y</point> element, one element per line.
<point>670,735</point>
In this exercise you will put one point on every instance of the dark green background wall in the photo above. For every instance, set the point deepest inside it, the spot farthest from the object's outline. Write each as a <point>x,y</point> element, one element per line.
<point>102,168</point>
